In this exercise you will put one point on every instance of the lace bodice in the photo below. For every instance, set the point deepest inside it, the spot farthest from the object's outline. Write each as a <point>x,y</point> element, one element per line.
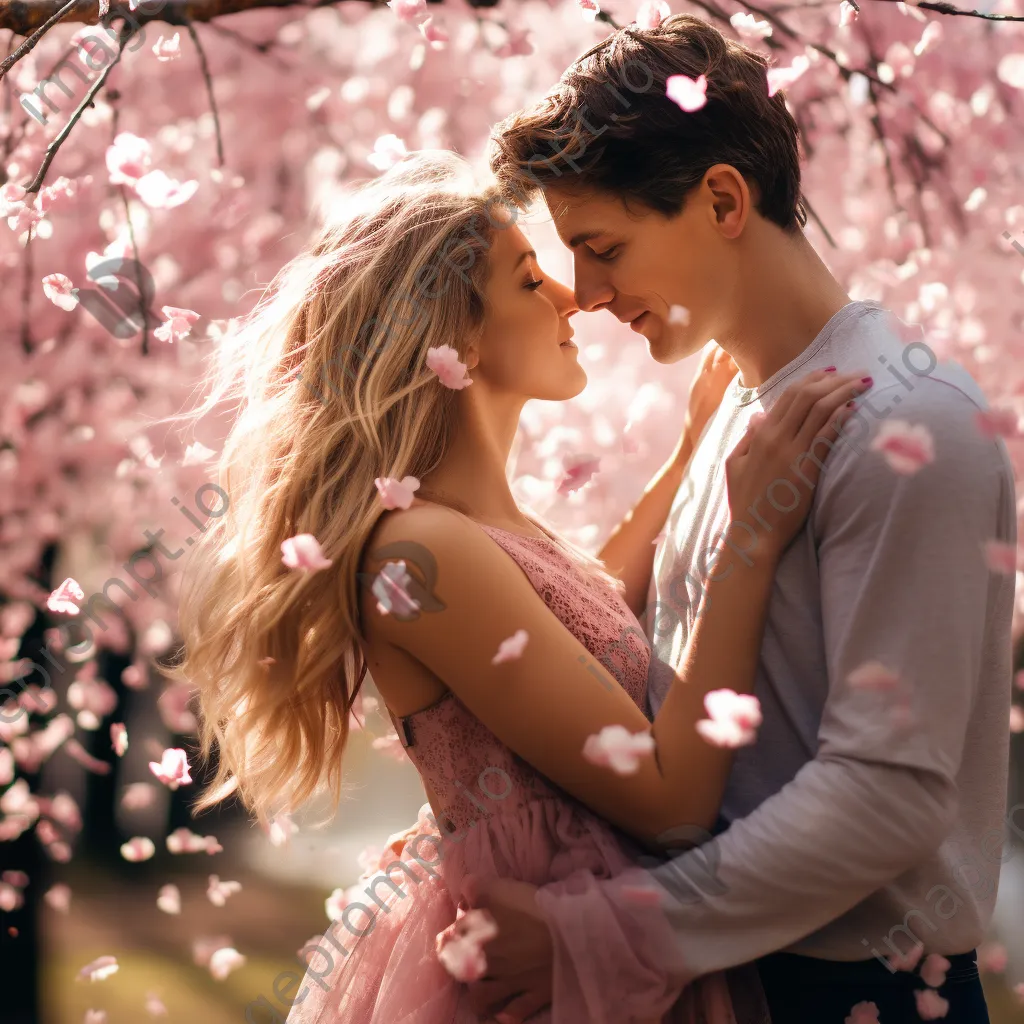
<point>469,770</point>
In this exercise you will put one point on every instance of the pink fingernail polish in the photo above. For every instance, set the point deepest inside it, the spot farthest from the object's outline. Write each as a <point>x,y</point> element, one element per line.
<point>828,368</point>
<point>867,380</point>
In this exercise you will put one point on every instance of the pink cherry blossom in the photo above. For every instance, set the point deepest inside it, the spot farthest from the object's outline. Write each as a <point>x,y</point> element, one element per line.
<point>617,748</point>
<point>138,796</point>
<point>863,1013</point>
<point>930,1005</point>
<point>138,848</point>
<point>1002,557</point>
<point>390,587</point>
<point>58,897</point>
<point>388,150</point>
<point>12,199</point>
<point>178,324</point>
<point>512,647</point>
<point>1010,70</point>
<point>218,892</point>
<point>689,94</point>
<point>172,769</point>
<point>280,829</point>
<point>303,552</point>
<point>169,899</point>
<point>93,699</point>
<point>651,14</point>
<point>396,493</point>
<point>119,738</point>
<point>435,36</point>
<point>224,961</point>
<point>906,961</point>
<point>998,423</point>
<point>747,25</point>
<point>155,1006</point>
<point>1016,718</point>
<point>589,9</point>
<point>182,840</point>
<point>168,49</point>
<point>161,192</point>
<point>92,764</point>
<point>783,78</point>
<point>408,10</point>
<point>577,470</point>
<point>64,597</point>
<point>847,13</point>
<point>128,159</point>
<point>97,970</point>
<point>60,291</point>
<point>933,970</point>
<point>196,454</point>
<point>64,810</point>
<point>444,361</point>
<point>873,675</point>
<point>906,447</point>
<point>335,904</point>
<point>460,946</point>
<point>135,677</point>
<point>733,719</point>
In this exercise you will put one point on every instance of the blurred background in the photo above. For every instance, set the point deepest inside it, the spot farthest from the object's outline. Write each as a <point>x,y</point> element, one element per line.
<point>198,144</point>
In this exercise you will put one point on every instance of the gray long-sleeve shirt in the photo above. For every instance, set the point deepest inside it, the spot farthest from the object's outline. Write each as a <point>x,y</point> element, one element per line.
<point>855,830</point>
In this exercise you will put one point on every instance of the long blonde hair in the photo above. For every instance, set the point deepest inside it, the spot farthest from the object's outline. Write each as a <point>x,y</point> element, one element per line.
<point>333,391</point>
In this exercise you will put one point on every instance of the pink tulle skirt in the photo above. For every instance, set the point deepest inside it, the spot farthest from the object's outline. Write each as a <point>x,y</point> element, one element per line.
<point>378,964</point>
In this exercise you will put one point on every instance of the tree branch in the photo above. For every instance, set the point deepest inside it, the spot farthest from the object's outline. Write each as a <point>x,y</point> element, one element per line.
<point>25,16</point>
<point>940,7</point>
<point>209,90</point>
<point>58,141</point>
<point>13,58</point>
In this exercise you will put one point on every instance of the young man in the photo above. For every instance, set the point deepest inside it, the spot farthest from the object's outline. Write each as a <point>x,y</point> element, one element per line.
<point>847,826</point>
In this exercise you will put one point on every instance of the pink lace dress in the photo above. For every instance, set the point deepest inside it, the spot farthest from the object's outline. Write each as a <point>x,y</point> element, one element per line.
<point>500,817</point>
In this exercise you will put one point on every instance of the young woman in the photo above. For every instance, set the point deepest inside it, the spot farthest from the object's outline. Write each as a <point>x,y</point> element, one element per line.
<point>338,390</point>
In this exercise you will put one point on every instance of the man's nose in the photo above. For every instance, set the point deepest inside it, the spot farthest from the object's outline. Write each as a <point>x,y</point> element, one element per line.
<point>591,291</point>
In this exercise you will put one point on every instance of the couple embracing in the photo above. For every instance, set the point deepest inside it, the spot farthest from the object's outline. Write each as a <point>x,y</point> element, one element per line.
<point>824,516</point>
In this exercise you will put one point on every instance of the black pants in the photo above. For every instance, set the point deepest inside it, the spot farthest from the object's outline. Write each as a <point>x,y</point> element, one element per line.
<point>805,990</point>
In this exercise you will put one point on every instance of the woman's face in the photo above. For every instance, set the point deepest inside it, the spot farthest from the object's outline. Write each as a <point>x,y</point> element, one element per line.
<point>525,345</point>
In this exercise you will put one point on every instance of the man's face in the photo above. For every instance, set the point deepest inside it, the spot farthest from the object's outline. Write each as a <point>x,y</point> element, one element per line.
<point>637,264</point>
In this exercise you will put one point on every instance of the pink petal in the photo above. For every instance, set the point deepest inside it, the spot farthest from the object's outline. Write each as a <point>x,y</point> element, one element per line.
<point>169,899</point>
<point>85,759</point>
<point>512,647</point>
<point>128,158</point>
<point>863,1013</point>
<point>589,9</point>
<point>617,748</point>
<point>726,705</point>
<point>992,958</point>
<point>1001,557</point>
<point>224,961</point>
<point>168,49</point>
<point>444,361</point>
<point>119,738</point>
<point>651,14</point>
<point>689,94</point>
<point>138,796</point>
<point>138,848</point>
<point>391,745</point>
<point>782,78</point>
<point>1016,718</point>
<point>873,675</point>
<point>182,840</point>
<point>933,970</point>
<point>408,10</point>
<point>173,768</point>
<point>460,946</point>
<point>847,13</point>
<point>303,552</point>
<point>396,493</point>
<point>217,892</point>
<point>434,34</point>
<point>997,422</point>
<point>906,961</point>
<point>59,897</point>
<point>390,587</point>
<point>578,468</point>
<point>906,447</point>
<point>98,969</point>
<point>281,829</point>
<point>64,597</point>
<point>60,291</point>
<point>161,192</point>
<point>930,1005</point>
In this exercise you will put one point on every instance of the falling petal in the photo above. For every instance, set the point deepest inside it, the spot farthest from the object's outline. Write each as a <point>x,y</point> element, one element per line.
<point>224,961</point>
<point>651,14</point>
<point>782,78</point>
<point>906,447</point>
<point>930,1005</point>
<point>390,587</point>
<point>64,598</point>
<point>512,647</point>
<point>459,947</point>
<point>217,892</point>
<point>906,961</point>
<point>169,899</point>
<point>98,969</point>
<point>863,1013</point>
<point>617,748</point>
<point>933,970</point>
<point>137,849</point>
<point>396,493</point>
<point>59,897</point>
<point>689,94</point>
<point>578,469</point>
<point>444,361</point>
<point>303,552</point>
<point>119,738</point>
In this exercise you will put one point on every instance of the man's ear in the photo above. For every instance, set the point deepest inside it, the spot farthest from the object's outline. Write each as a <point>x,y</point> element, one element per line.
<point>731,200</point>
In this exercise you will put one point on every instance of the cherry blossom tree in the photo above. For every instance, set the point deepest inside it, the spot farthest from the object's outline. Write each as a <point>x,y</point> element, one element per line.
<point>160,162</point>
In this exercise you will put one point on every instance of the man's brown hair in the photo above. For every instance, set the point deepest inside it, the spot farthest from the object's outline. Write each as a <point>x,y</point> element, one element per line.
<point>609,126</point>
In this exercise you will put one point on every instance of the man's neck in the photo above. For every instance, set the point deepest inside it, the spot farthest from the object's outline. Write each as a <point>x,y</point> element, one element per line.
<point>787,297</point>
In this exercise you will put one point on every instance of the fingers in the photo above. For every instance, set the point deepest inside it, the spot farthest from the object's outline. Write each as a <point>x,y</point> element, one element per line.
<point>827,415</point>
<point>523,1007</point>
<point>486,996</point>
<point>805,394</point>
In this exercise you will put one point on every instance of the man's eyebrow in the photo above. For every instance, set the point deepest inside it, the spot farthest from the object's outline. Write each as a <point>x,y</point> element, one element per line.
<point>584,236</point>
<point>523,256</point>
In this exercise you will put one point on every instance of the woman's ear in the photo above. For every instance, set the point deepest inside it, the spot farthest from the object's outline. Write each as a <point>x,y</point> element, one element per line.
<point>473,353</point>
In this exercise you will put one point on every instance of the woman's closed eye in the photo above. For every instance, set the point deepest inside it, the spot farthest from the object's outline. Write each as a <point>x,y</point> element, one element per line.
<point>609,253</point>
<point>533,285</point>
